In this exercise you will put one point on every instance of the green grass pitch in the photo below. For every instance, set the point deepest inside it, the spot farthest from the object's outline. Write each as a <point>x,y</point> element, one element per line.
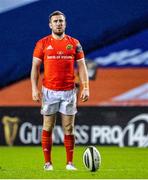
<point>27,163</point>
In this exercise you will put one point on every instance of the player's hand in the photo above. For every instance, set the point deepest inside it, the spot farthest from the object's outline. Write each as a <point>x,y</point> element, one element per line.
<point>36,95</point>
<point>84,94</point>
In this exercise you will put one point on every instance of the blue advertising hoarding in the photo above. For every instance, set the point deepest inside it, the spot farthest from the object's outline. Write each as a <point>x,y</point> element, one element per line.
<point>131,52</point>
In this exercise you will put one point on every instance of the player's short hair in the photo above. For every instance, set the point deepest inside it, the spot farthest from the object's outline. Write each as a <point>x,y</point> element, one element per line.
<point>55,13</point>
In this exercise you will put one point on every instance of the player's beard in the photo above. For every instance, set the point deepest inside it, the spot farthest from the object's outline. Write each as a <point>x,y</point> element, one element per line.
<point>59,33</point>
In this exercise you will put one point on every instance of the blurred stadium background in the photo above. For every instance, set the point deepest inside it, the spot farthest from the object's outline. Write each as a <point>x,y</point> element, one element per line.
<point>114,37</point>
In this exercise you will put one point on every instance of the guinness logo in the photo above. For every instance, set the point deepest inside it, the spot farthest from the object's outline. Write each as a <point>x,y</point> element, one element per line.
<point>69,46</point>
<point>10,129</point>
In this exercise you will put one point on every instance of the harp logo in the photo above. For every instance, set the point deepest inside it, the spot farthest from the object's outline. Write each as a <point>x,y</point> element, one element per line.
<point>10,129</point>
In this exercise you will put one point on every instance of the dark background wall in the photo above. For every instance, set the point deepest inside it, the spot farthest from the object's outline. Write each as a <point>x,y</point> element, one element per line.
<point>96,23</point>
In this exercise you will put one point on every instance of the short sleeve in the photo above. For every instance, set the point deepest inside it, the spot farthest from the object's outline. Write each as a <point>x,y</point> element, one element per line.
<point>79,51</point>
<point>38,50</point>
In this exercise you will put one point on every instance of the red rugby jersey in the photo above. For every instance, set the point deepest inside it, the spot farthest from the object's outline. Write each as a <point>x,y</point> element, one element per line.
<point>58,57</point>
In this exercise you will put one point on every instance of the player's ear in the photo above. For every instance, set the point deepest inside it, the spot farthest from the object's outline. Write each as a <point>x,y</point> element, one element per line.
<point>50,26</point>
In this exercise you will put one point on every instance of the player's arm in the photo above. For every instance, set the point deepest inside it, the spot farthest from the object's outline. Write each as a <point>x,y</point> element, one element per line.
<point>84,80</point>
<point>35,73</point>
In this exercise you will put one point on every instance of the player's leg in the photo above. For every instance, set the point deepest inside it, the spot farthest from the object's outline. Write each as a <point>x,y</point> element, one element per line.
<point>48,125</point>
<point>49,108</point>
<point>69,139</point>
<point>68,110</point>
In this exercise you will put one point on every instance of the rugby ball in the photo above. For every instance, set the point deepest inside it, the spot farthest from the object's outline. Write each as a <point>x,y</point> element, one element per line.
<point>92,158</point>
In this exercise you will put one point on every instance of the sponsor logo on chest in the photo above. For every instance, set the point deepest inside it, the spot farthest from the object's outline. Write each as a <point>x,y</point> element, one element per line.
<point>60,54</point>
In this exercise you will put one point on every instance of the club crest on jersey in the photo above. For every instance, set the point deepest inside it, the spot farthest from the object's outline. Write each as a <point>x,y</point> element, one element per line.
<point>69,46</point>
